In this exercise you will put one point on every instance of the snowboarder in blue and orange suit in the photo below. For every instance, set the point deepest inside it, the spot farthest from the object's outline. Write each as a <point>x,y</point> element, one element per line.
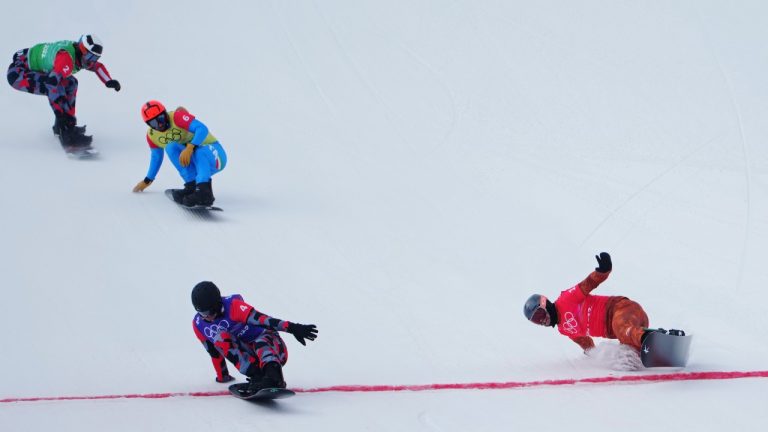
<point>49,68</point>
<point>193,150</point>
<point>231,329</point>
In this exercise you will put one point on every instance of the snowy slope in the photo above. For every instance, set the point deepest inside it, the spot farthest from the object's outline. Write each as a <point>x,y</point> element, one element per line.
<point>404,175</point>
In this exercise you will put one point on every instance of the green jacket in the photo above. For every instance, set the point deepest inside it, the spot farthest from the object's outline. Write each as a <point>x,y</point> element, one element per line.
<point>41,56</point>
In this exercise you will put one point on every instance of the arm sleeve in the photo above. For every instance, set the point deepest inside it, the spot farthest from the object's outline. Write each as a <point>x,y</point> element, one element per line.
<point>200,130</point>
<point>241,311</point>
<point>218,360</point>
<point>263,320</point>
<point>585,342</point>
<point>155,161</point>
<point>187,121</point>
<point>592,281</point>
<point>101,71</point>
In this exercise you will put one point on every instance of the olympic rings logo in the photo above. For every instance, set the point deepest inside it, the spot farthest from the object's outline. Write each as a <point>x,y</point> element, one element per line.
<point>170,136</point>
<point>570,325</point>
<point>213,330</point>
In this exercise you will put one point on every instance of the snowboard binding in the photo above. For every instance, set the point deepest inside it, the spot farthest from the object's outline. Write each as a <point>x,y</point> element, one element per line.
<point>662,348</point>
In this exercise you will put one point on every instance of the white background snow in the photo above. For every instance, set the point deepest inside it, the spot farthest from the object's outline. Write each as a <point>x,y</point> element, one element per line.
<point>404,174</point>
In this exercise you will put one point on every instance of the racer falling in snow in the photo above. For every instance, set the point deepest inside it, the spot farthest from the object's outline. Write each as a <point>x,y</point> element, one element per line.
<point>580,315</point>
<point>231,329</point>
<point>193,150</point>
<point>48,69</point>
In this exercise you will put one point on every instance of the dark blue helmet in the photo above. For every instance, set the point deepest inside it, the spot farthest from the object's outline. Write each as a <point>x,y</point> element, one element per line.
<point>535,310</point>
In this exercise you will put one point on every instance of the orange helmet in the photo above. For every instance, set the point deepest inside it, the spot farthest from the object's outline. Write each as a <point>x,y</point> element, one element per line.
<point>151,110</point>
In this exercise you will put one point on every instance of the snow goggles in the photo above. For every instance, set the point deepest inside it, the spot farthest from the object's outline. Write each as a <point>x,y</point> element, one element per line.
<point>209,314</point>
<point>160,122</point>
<point>90,59</point>
<point>540,316</point>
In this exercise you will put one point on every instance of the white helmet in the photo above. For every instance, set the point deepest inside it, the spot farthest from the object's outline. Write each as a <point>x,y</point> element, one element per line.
<point>89,43</point>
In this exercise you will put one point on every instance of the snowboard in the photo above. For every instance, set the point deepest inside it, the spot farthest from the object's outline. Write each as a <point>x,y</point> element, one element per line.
<point>240,391</point>
<point>169,194</point>
<point>666,349</point>
<point>81,152</point>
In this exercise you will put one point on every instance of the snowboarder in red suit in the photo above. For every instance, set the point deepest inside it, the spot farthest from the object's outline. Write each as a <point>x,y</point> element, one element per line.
<point>581,316</point>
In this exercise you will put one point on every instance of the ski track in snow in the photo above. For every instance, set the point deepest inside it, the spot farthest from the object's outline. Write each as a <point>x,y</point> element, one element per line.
<point>743,144</point>
<point>647,185</point>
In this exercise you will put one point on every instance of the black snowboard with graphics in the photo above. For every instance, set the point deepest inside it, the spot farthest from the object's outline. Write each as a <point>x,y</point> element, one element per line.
<point>666,349</point>
<point>240,391</point>
<point>169,194</point>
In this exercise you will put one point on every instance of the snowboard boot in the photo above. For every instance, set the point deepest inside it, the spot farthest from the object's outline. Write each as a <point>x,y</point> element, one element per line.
<point>272,378</point>
<point>254,376</point>
<point>58,126</point>
<point>70,135</point>
<point>179,194</point>
<point>649,331</point>
<point>202,196</point>
<point>71,139</point>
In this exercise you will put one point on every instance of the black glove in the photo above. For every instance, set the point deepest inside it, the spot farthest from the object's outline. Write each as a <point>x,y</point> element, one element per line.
<point>113,84</point>
<point>225,379</point>
<point>303,331</point>
<point>604,264</point>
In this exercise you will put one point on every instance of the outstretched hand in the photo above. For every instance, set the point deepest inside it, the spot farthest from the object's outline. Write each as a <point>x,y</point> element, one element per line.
<point>604,264</point>
<point>303,331</point>
<point>140,186</point>
<point>113,84</point>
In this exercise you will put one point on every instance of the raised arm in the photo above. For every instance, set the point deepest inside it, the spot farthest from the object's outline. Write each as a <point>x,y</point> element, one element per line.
<point>603,269</point>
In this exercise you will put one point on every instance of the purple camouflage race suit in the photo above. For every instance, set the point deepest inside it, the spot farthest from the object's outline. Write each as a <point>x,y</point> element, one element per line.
<point>62,93</point>
<point>246,337</point>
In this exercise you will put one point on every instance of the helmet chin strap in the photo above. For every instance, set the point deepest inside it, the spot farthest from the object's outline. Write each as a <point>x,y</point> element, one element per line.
<point>552,311</point>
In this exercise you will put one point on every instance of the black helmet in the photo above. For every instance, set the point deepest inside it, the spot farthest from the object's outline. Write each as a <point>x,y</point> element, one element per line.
<point>535,312</point>
<point>206,298</point>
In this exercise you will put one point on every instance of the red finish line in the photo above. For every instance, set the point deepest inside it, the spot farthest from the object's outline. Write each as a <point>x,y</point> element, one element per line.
<point>678,376</point>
